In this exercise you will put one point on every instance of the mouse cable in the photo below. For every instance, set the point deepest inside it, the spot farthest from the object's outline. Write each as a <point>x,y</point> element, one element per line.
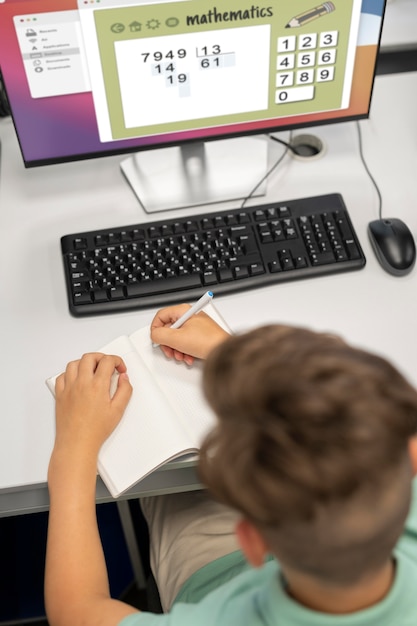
<point>368,171</point>
<point>288,146</point>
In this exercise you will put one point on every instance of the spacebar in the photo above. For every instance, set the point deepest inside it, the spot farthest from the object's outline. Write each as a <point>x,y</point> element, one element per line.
<point>187,281</point>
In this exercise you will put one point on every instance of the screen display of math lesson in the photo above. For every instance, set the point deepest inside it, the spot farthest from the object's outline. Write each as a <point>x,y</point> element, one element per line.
<point>94,77</point>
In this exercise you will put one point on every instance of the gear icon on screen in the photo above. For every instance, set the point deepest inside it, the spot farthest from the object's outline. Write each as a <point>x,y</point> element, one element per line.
<point>153,24</point>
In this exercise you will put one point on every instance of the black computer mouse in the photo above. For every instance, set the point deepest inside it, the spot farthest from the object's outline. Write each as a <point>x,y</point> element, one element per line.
<point>393,244</point>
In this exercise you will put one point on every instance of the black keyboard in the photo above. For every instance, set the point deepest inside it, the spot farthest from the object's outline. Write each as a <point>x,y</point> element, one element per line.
<point>175,260</point>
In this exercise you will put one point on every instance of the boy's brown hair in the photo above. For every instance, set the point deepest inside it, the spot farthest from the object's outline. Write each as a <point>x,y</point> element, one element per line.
<point>311,446</point>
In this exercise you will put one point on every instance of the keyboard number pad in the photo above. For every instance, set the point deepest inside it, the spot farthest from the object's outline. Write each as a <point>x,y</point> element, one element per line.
<point>303,62</point>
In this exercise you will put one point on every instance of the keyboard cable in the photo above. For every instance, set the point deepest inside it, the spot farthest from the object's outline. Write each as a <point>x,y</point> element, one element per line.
<point>368,170</point>
<point>288,146</point>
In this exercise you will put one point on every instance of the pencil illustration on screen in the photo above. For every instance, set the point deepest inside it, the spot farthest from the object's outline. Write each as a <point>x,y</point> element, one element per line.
<point>311,14</point>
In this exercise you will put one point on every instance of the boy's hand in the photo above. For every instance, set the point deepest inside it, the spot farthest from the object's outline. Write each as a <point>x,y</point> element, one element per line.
<point>196,338</point>
<point>85,412</point>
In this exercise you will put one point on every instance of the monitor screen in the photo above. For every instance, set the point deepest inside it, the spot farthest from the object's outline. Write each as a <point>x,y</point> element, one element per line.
<point>96,77</point>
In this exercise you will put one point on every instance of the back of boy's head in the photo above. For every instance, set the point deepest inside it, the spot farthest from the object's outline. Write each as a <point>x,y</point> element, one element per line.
<point>312,447</point>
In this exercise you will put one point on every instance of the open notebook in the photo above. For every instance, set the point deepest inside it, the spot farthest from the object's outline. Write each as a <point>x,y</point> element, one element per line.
<point>167,416</point>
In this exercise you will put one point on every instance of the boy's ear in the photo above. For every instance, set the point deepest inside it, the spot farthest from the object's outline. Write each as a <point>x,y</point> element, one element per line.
<point>252,543</point>
<point>412,447</point>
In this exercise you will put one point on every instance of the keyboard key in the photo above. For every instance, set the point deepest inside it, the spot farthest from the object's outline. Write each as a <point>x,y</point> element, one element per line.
<point>287,263</point>
<point>101,295</point>
<point>82,297</point>
<point>80,243</point>
<point>210,278</point>
<point>300,262</point>
<point>256,269</point>
<point>101,240</point>
<point>322,259</point>
<point>275,266</point>
<point>159,286</point>
<point>116,293</point>
<point>343,226</point>
<point>352,249</point>
<point>225,274</point>
<point>241,272</point>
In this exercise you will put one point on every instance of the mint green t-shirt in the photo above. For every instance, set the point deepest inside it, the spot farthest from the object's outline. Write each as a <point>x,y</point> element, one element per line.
<point>229,592</point>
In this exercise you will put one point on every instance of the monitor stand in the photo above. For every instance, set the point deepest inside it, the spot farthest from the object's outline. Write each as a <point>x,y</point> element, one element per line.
<point>198,173</point>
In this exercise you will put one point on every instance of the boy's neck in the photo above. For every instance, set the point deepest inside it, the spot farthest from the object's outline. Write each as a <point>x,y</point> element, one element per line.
<point>338,599</point>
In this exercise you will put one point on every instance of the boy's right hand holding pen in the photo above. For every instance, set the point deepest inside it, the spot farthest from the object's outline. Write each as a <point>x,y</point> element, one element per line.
<point>195,338</point>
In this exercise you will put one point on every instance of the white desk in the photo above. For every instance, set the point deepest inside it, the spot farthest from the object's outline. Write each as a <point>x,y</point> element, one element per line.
<point>38,335</point>
<point>399,31</point>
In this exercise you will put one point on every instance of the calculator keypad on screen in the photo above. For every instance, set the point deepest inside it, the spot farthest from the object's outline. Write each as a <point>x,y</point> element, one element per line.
<point>302,62</point>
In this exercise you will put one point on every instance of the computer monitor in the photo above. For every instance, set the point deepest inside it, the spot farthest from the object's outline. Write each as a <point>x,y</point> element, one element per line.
<point>92,78</point>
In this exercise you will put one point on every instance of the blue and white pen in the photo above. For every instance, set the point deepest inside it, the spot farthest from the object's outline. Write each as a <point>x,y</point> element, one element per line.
<point>195,308</point>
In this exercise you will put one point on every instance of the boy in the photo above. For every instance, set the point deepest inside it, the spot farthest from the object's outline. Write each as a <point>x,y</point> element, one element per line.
<point>315,448</point>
